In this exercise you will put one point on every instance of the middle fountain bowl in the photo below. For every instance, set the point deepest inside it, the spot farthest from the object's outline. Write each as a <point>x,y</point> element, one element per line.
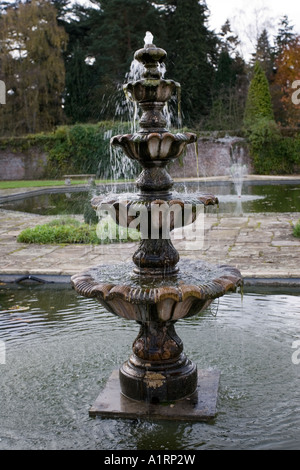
<point>154,149</point>
<point>157,289</point>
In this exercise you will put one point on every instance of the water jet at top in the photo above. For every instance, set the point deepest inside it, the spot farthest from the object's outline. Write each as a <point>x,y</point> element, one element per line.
<point>148,38</point>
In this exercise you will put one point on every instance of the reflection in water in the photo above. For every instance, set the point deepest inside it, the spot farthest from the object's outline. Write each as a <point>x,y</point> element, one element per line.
<point>61,349</point>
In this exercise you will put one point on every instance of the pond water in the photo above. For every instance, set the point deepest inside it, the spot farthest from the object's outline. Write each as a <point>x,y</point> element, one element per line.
<point>61,349</point>
<point>255,198</point>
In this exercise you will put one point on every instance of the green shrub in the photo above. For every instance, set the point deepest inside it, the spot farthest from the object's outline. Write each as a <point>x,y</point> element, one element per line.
<point>85,148</point>
<point>296,231</point>
<point>263,138</point>
<point>57,232</point>
<point>272,153</point>
<point>68,231</point>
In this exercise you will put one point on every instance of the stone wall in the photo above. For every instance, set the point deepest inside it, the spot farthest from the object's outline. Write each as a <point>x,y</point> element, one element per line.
<point>215,158</point>
<point>18,165</point>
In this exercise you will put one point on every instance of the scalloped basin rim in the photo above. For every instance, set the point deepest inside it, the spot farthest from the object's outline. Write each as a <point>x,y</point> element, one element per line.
<point>152,82</point>
<point>188,137</point>
<point>205,199</point>
<point>86,285</point>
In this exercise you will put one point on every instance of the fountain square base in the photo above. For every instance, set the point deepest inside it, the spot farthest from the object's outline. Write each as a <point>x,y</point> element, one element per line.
<point>201,406</point>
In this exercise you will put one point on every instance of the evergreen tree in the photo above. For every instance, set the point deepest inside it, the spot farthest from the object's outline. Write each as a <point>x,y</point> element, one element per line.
<point>227,69</point>
<point>264,55</point>
<point>62,7</point>
<point>230,90</point>
<point>192,51</point>
<point>258,104</point>
<point>230,84</point>
<point>285,35</point>
<point>79,81</point>
<point>225,76</point>
<point>80,73</point>
<point>228,40</point>
<point>101,45</point>
<point>117,30</point>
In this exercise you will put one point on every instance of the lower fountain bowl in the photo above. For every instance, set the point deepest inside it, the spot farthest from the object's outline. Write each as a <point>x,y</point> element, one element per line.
<point>146,299</point>
<point>158,370</point>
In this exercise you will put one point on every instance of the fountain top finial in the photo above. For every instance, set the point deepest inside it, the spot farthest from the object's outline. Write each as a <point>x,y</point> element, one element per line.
<point>151,57</point>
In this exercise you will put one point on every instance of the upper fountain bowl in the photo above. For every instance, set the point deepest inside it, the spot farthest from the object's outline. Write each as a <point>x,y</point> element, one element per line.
<point>150,54</point>
<point>157,90</point>
<point>151,57</point>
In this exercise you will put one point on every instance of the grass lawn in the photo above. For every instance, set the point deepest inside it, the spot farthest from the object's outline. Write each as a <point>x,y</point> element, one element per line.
<point>296,230</point>
<point>43,183</point>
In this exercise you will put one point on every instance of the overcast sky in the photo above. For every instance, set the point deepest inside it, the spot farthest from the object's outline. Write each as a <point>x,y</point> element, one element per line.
<point>220,9</point>
<point>249,17</point>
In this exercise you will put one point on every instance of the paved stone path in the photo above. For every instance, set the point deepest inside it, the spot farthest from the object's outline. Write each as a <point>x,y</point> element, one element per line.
<point>260,245</point>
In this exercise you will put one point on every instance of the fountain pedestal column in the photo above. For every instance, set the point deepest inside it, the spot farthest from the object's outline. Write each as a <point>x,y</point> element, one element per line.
<point>158,371</point>
<point>156,258</point>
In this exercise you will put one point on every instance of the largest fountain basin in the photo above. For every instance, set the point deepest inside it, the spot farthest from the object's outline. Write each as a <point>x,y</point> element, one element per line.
<point>149,299</point>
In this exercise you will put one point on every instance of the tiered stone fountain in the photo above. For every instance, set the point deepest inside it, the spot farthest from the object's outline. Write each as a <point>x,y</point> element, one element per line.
<point>157,289</point>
